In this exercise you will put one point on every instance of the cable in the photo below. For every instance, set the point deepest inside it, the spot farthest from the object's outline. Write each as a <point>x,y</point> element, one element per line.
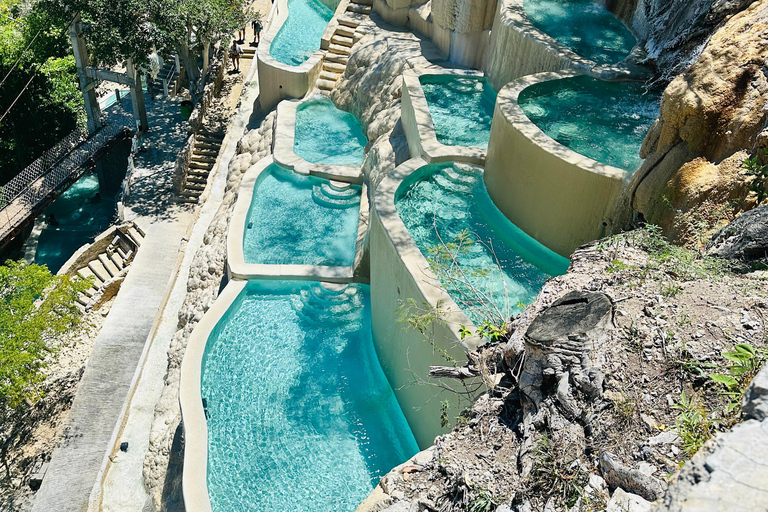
<point>34,73</point>
<point>20,56</point>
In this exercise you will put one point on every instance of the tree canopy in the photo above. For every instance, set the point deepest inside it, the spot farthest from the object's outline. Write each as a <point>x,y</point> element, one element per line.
<point>35,306</point>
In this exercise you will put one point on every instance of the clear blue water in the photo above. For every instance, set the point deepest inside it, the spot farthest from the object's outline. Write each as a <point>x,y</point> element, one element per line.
<point>301,220</point>
<point>478,255</point>
<point>80,218</point>
<point>300,35</point>
<point>606,121</point>
<point>461,108</point>
<point>327,135</point>
<point>300,415</point>
<point>584,26</point>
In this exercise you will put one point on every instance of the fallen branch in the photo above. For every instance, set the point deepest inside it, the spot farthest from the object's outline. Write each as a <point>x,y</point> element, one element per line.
<point>461,372</point>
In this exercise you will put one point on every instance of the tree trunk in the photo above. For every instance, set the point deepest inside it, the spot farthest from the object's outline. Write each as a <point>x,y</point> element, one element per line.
<point>189,61</point>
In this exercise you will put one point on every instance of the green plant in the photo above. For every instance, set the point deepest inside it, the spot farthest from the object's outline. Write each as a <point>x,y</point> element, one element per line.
<point>554,475</point>
<point>491,332</point>
<point>618,266</point>
<point>36,307</point>
<point>760,173</point>
<point>671,290</point>
<point>745,362</point>
<point>482,501</point>
<point>625,406</point>
<point>693,425</point>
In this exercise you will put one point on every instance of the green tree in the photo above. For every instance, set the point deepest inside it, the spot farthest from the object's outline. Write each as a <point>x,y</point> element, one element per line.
<point>36,307</point>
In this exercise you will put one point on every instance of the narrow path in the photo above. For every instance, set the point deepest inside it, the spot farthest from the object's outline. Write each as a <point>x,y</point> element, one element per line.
<point>103,389</point>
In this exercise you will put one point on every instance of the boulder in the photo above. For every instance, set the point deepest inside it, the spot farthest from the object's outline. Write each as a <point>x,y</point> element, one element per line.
<point>755,405</point>
<point>744,239</point>
<point>633,480</point>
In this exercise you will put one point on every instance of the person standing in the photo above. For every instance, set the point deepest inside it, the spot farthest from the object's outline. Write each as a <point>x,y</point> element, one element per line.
<point>234,53</point>
<point>257,28</point>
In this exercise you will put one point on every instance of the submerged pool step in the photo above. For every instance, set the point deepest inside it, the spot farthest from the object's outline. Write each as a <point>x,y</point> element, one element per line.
<point>456,176</point>
<point>328,197</point>
<point>461,187</point>
<point>326,313</point>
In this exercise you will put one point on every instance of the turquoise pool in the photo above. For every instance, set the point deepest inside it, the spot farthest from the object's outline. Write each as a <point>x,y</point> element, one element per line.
<point>327,135</point>
<point>300,415</point>
<point>584,26</point>
<point>461,108</point>
<point>477,253</point>
<point>606,121</point>
<point>301,220</point>
<point>300,35</point>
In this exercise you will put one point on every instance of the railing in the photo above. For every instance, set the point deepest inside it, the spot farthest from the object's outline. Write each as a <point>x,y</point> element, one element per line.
<point>53,170</point>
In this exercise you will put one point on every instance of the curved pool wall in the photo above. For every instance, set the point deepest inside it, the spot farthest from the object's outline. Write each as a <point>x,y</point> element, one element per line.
<point>310,228</point>
<point>605,121</point>
<point>557,196</point>
<point>496,269</point>
<point>584,26</point>
<point>285,148</point>
<point>419,123</point>
<point>400,272</point>
<point>278,80</point>
<point>328,425</point>
<point>517,49</point>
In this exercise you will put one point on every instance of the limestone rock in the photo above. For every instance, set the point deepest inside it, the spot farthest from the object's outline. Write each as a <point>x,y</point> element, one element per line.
<point>744,239</point>
<point>731,477</point>
<point>618,475</point>
<point>622,501</point>
<point>711,118</point>
<point>755,405</point>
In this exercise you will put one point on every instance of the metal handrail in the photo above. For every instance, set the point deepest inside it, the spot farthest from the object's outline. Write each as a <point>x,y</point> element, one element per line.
<point>53,169</point>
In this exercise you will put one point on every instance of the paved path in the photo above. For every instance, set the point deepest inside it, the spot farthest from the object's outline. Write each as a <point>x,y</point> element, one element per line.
<point>109,373</point>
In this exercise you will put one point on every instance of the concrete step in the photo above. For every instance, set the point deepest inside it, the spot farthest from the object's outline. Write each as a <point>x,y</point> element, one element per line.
<point>330,76</point>
<point>325,85</point>
<point>197,173</point>
<point>135,236</point>
<point>338,50</point>
<point>342,41</point>
<point>362,2</point>
<point>90,292</point>
<point>196,179</point>
<point>84,300</point>
<point>362,9</point>
<point>204,152</point>
<point>117,260</point>
<point>345,31</point>
<point>207,138</point>
<point>182,199</point>
<point>334,67</point>
<point>207,145</point>
<point>202,159</point>
<point>197,165</point>
<point>190,193</point>
<point>98,270</point>
<point>190,186</point>
<point>109,265</point>
<point>337,58</point>
<point>349,21</point>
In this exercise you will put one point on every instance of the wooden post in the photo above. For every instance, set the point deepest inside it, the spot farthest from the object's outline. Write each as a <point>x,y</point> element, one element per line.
<point>82,60</point>
<point>206,54</point>
<point>137,97</point>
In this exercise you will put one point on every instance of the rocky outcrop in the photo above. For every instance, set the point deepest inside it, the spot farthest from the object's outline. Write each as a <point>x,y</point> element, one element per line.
<point>745,239</point>
<point>731,473</point>
<point>671,30</point>
<point>164,461</point>
<point>711,119</point>
<point>590,392</point>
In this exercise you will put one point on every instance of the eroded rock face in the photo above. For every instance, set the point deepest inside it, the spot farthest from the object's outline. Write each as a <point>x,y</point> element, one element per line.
<point>711,118</point>
<point>670,30</point>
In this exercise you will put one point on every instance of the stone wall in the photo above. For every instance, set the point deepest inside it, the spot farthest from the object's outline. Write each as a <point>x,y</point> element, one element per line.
<point>162,466</point>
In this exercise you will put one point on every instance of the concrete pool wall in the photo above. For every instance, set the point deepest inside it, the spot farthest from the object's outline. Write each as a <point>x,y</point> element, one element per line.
<point>284,154</point>
<point>237,267</point>
<point>420,129</point>
<point>399,272</point>
<point>278,81</point>
<point>517,49</point>
<point>557,196</point>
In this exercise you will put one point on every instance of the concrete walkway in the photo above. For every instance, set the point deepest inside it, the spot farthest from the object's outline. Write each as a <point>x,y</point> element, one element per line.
<point>108,377</point>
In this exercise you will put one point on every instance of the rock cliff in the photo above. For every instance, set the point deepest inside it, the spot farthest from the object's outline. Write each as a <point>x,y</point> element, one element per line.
<point>712,118</point>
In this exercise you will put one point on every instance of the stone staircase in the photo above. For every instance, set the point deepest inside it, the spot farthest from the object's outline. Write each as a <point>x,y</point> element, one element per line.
<point>111,262</point>
<point>168,74</point>
<point>204,152</point>
<point>335,59</point>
